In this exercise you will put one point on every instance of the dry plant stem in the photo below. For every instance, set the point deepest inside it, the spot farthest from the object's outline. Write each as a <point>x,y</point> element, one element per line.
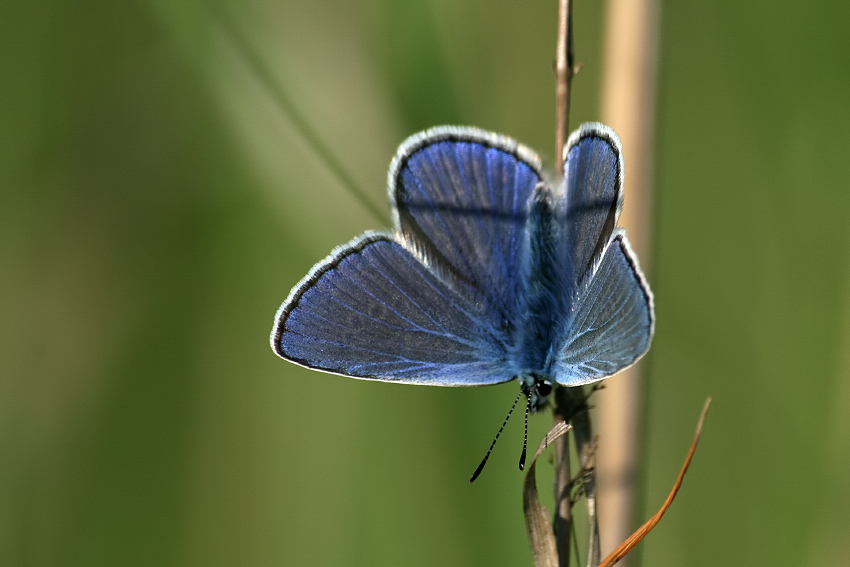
<point>586,449</point>
<point>538,526</point>
<point>627,105</point>
<point>642,532</point>
<point>563,76</point>
<point>563,409</point>
<point>570,405</point>
<point>567,401</point>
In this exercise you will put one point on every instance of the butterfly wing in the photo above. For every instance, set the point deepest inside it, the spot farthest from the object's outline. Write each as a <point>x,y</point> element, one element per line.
<point>593,199</point>
<point>611,322</point>
<point>373,309</point>
<point>461,196</point>
<point>613,319</point>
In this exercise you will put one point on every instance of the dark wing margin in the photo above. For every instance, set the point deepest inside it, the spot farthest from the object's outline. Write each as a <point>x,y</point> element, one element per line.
<point>593,198</point>
<point>374,310</point>
<point>613,320</point>
<point>461,196</point>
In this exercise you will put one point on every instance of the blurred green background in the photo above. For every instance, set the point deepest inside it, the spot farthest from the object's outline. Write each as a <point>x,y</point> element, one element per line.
<point>157,204</point>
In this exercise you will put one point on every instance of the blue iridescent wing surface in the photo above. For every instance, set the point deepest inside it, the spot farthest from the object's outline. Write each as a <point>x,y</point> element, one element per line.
<point>611,320</point>
<point>461,195</point>
<point>593,173</point>
<point>374,310</point>
<point>433,303</point>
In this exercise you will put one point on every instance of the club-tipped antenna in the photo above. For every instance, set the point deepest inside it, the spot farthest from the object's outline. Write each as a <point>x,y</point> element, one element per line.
<point>525,435</point>
<point>493,444</point>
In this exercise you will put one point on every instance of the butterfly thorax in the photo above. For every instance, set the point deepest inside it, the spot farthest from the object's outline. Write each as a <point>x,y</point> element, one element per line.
<point>541,305</point>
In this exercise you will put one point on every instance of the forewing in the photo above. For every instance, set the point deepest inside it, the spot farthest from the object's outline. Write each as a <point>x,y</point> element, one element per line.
<point>374,310</point>
<point>461,194</point>
<point>613,320</point>
<point>593,172</point>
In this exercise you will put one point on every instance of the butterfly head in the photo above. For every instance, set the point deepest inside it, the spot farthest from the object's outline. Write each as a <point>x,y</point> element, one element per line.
<point>537,387</point>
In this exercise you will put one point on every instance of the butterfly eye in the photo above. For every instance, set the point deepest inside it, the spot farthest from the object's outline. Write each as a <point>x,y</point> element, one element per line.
<point>544,388</point>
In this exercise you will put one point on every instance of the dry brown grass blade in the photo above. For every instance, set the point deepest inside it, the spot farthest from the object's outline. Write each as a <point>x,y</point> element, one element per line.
<point>641,532</point>
<point>537,523</point>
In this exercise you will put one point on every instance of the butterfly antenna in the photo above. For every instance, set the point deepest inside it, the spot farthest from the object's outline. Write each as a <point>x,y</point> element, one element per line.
<point>525,436</point>
<point>493,444</point>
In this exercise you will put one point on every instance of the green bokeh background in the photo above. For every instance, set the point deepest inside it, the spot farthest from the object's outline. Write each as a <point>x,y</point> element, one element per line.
<point>156,206</point>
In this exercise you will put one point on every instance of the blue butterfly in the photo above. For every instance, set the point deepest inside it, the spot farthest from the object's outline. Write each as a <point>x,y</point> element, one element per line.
<point>491,273</point>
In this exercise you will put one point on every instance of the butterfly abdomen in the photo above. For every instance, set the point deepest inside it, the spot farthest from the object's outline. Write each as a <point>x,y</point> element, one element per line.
<point>541,279</point>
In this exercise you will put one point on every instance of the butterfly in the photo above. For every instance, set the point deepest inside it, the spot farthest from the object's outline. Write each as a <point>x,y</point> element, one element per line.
<point>491,273</point>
